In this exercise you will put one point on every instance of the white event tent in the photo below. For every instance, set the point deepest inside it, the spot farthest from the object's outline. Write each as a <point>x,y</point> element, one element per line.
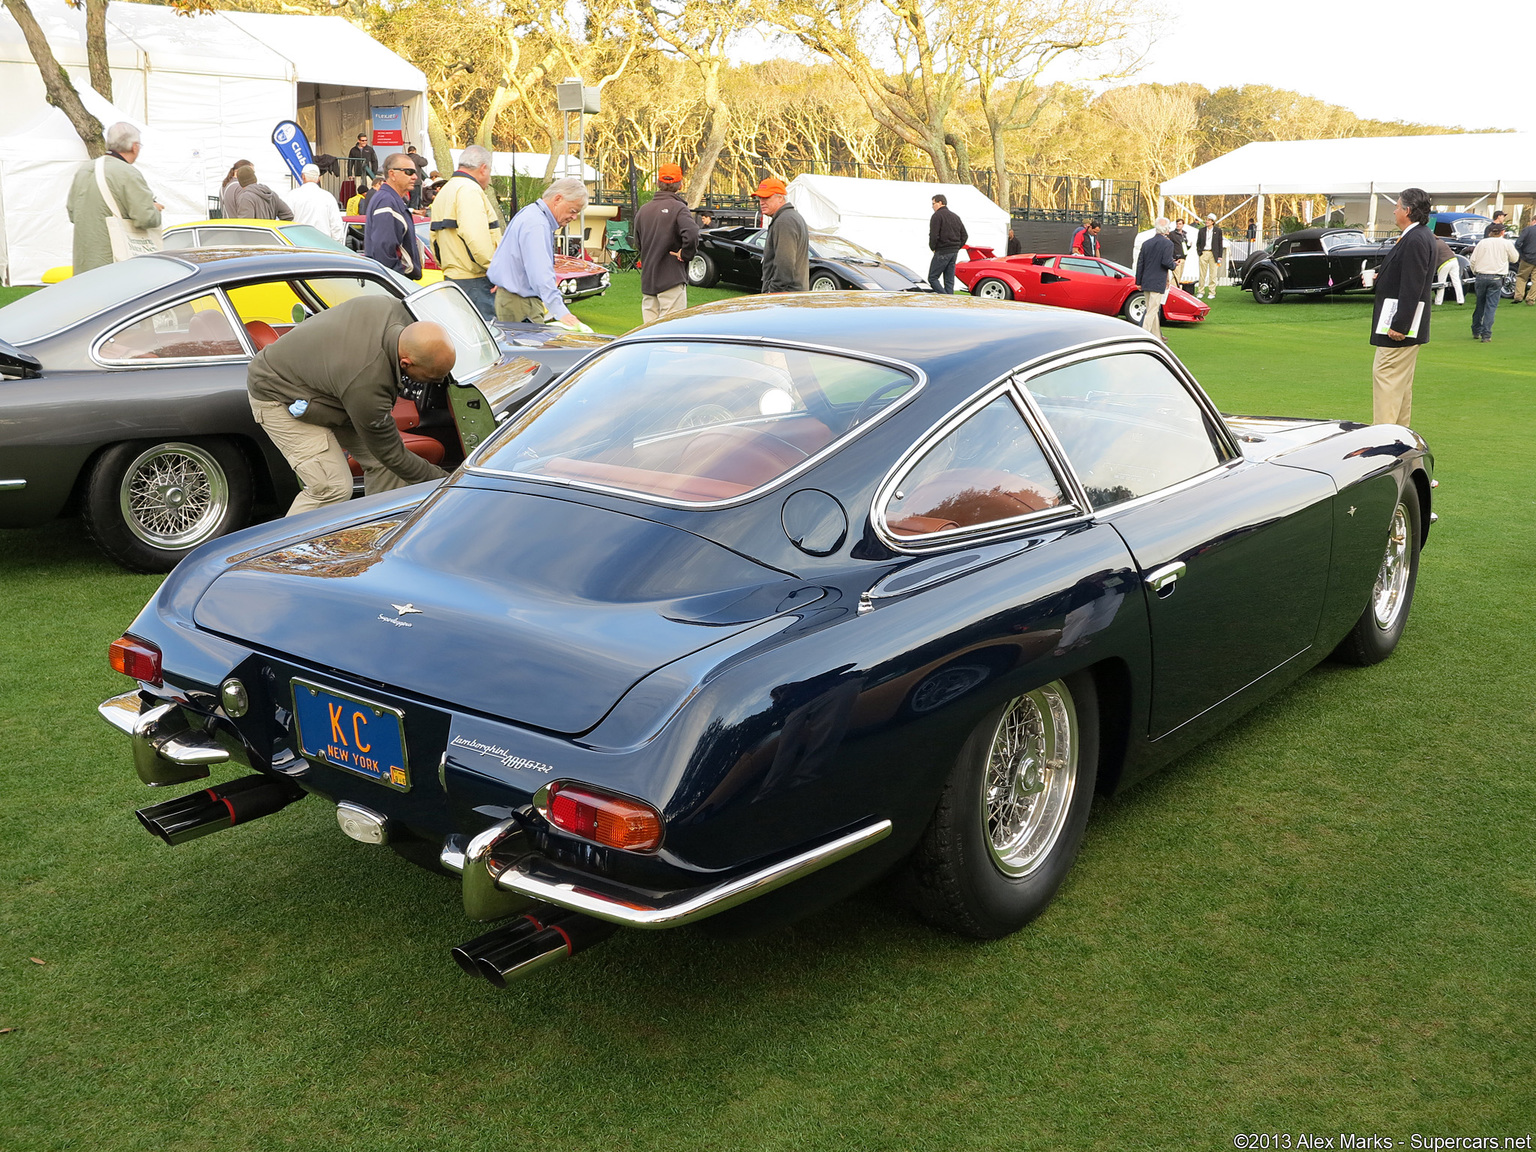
<point>891,216</point>
<point>535,164</point>
<point>1363,175</point>
<point>206,90</point>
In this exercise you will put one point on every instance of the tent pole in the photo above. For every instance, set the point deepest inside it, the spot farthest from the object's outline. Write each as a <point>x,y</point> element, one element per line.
<point>1498,197</point>
<point>1259,214</point>
<point>1370,216</point>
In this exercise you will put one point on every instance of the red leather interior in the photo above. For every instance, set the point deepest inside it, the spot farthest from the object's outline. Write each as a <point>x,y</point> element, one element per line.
<point>970,496</point>
<point>261,333</point>
<point>742,456</point>
<point>919,525</point>
<point>406,416</point>
<point>427,448</point>
<point>210,327</point>
<point>671,484</point>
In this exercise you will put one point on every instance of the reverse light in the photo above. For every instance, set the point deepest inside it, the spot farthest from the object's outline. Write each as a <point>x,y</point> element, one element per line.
<point>134,657</point>
<point>615,821</point>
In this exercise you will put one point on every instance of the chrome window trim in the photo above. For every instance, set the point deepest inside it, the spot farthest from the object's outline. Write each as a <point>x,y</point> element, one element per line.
<point>1070,508</point>
<point>472,467</point>
<point>101,311</point>
<point>230,316</point>
<point>420,291</point>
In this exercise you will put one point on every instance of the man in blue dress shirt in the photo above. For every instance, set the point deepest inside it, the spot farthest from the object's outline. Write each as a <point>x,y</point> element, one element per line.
<point>523,269</point>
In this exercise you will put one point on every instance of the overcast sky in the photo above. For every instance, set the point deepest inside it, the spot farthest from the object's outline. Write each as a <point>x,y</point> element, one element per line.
<point>1403,60</point>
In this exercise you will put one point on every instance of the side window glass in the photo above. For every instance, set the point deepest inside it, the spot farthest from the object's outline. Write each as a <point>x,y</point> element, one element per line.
<point>182,238</point>
<point>1127,424</point>
<point>270,303</point>
<point>223,237</point>
<point>334,290</point>
<point>988,470</point>
<point>757,238</point>
<point>193,329</point>
<point>1074,264</point>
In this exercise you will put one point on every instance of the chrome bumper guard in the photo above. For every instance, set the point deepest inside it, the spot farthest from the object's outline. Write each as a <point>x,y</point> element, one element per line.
<point>501,878</point>
<point>166,748</point>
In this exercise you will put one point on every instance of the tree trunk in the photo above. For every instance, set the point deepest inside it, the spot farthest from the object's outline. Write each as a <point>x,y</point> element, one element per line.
<point>714,140</point>
<point>500,99</point>
<point>1000,166</point>
<point>962,157</point>
<point>96,46</point>
<point>61,93</point>
<point>441,149</point>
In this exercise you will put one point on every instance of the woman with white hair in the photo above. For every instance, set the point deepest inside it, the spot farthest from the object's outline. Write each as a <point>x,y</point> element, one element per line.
<point>314,206</point>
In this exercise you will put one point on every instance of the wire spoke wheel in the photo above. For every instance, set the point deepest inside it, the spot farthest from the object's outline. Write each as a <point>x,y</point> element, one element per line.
<point>1030,778</point>
<point>1389,595</point>
<point>174,496</point>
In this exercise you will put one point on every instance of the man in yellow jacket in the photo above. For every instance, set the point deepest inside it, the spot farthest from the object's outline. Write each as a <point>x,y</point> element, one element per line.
<point>466,227</point>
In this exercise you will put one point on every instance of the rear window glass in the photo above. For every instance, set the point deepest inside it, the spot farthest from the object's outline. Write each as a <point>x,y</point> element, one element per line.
<point>694,421</point>
<point>226,236</point>
<point>62,305</point>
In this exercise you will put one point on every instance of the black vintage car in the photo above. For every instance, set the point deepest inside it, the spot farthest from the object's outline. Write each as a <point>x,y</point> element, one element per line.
<point>770,599</point>
<point>735,255</point>
<point>122,390</point>
<point>1321,262</point>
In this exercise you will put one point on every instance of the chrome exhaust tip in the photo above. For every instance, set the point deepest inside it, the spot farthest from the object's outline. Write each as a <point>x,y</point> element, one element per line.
<point>542,936</point>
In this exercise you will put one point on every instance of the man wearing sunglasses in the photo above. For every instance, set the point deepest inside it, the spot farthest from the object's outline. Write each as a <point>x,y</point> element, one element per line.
<point>389,231</point>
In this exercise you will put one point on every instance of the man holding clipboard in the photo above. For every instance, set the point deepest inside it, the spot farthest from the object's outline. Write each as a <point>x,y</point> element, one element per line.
<point>1400,319</point>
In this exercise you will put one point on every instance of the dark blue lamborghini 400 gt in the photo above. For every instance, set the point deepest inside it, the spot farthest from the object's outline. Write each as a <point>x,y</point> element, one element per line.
<point>766,601</point>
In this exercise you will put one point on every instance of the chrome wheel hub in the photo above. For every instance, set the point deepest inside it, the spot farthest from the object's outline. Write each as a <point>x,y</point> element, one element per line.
<point>174,496</point>
<point>1392,581</point>
<point>1031,774</point>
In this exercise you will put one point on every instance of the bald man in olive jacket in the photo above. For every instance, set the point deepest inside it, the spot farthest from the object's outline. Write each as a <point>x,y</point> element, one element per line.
<point>328,387</point>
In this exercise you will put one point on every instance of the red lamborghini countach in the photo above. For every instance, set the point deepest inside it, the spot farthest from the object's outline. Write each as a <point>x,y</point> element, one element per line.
<point>1086,283</point>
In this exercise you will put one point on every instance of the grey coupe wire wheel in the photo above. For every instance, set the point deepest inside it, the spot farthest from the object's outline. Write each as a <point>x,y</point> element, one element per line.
<point>1392,581</point>
<point>174,496</point>
<point>1031,775</point>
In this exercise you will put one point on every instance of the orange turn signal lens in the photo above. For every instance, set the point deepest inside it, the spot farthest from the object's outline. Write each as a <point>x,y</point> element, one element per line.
<point>615,821</point>
<point>134,657</point>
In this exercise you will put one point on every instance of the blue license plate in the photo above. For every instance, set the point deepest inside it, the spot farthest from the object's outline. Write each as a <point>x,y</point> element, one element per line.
<point>358,735</point>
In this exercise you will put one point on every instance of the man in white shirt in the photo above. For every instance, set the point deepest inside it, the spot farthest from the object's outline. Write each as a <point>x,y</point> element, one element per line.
<point>314,206</point>
<point>1490,264</point>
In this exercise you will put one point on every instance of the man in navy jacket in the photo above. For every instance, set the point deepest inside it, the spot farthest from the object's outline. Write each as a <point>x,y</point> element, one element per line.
<point>1400,318</point>
<point>389,233</point>
<point>1152,268</point>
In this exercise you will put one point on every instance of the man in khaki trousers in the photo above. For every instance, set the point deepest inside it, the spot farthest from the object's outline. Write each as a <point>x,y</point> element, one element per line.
<point>1400,318</point>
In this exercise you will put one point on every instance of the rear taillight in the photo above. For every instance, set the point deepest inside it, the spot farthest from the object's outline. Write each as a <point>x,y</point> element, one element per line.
<point>137,658</point>
<point>615,821</point>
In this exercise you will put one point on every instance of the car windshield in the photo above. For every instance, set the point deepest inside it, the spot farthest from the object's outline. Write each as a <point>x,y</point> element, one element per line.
<point>444,303</point>
<point>838,247</point>
<point>1116,267</point>
<point>1336,240</point>
<point>694,421</point>
<point>308,236</point>
<point>67,303</point>
<point>1469,228</point>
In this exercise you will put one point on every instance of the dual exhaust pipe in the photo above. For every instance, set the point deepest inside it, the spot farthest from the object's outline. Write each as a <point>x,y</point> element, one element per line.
<point>541,936</point>
<point>214,809</point>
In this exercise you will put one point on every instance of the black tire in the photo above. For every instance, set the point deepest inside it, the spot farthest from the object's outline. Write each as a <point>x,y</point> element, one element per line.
<point>701,271</point>
<point>147,503</point>
<point>1266,288</point>
<point>958,877</point>
<point>991,288</point>
<point>1380,627</point>
<point>825,282</point>
<point>1135,308</point>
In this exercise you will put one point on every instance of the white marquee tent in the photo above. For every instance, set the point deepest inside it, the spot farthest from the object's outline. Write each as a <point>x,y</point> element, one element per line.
<point>208,90</point>
<point>535,164</point>
<point>891,216</point>
<point>1467,171</point>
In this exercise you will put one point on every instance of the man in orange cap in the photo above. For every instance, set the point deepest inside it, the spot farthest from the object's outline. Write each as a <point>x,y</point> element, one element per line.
<point>787,246</point>
<point>668,237</point>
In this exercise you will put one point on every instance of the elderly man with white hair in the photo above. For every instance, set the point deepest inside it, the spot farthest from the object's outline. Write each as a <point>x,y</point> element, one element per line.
<point>131,197</point>
<point>466,224</point>
<point>314,206</point>
<point>523,269</point>
<point>1156,261</point>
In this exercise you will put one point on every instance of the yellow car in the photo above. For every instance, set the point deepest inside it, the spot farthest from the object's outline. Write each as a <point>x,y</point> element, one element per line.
<point>272,303</point>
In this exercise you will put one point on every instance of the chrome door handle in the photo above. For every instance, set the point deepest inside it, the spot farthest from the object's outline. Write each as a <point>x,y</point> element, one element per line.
<point>1164,580</point>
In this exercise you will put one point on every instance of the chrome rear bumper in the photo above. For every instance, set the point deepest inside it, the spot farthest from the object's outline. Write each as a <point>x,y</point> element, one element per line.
<point>501,878</point>
<point>166,748</point>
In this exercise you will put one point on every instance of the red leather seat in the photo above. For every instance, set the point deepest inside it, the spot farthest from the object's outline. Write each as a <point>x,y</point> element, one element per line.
<point>261,333</point>
<point>406,416</point>
<point>966,497</point>
<point>739,456</point>
<point>427,448</point>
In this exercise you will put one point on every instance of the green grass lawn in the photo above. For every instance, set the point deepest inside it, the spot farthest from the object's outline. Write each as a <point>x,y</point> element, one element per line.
<point>1323,921</point>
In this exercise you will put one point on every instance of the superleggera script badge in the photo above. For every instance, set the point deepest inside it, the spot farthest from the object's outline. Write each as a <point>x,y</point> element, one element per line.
<point>495,751</point>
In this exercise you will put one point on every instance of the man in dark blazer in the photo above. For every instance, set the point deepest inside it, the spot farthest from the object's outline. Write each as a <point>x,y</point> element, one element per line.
<point>946,236</point>
<point>1400,318</point>
<point>1156,261</point>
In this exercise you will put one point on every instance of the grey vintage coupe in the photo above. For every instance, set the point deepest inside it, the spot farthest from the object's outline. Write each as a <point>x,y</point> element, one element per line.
<point>122,390</point>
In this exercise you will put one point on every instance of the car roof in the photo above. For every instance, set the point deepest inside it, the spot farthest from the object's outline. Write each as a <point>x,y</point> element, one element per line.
<point>1319,233</point>
<point>231,222</point>
<point>960,342</point>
